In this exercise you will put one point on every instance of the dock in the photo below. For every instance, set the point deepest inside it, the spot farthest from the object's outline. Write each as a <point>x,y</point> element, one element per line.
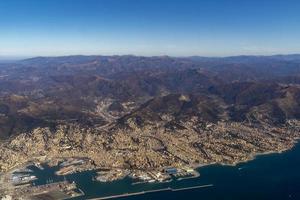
<point>168,189</point>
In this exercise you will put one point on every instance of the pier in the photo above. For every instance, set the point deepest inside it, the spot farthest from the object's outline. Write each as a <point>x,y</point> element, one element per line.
<point>153,191</point>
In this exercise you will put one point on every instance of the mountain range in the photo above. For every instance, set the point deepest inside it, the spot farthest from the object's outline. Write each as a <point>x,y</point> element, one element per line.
<point>45,91</point>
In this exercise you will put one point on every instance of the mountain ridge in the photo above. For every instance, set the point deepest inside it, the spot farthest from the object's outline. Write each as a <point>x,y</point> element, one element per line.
<point>147,112</point>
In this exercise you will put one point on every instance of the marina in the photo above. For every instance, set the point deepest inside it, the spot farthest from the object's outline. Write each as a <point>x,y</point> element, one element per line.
<point>278,176</point>
<point>275,172</point>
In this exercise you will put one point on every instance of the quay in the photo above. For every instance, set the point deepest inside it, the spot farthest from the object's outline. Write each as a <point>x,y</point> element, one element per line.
<point>152,191</point>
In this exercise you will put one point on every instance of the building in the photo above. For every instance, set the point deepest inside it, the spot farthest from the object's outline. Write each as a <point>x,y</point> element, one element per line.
<point>171,170</point>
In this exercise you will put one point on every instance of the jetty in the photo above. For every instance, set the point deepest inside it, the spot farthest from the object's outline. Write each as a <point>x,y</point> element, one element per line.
<point>168,189</point>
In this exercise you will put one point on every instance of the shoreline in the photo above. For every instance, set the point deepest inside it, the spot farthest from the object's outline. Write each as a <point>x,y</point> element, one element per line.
<point>254,156</point>
<point>197,169</point>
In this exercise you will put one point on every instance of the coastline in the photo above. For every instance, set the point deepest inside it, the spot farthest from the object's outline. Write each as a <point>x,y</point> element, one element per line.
<point>173,185</point>
<point>253,157</point>
<point>199,168</point>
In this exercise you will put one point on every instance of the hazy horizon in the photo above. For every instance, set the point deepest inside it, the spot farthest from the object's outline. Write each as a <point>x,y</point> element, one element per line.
<point>16,58</point>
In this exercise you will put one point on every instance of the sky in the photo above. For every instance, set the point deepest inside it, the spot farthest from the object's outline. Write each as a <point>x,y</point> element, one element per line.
<point>149,27</point>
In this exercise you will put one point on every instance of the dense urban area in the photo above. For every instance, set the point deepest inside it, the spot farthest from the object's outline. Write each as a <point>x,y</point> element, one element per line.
<point>149,118</point>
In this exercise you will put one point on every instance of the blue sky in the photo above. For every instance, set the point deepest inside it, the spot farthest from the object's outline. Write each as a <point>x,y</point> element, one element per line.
<point>149,27</point>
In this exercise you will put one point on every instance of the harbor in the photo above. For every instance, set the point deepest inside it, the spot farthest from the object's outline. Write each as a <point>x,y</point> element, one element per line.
<point>271,167</point>
<point>212,184</point>
<point>60,181</point>
<point>23,183</point>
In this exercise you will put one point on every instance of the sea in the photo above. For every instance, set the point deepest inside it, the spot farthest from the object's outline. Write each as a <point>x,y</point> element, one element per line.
<point>268,177</point>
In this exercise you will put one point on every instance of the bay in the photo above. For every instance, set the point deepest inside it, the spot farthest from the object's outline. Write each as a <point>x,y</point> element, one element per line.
<point>273,176</point>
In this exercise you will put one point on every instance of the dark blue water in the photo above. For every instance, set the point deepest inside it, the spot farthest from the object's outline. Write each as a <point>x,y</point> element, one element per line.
<point>274,177</point>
